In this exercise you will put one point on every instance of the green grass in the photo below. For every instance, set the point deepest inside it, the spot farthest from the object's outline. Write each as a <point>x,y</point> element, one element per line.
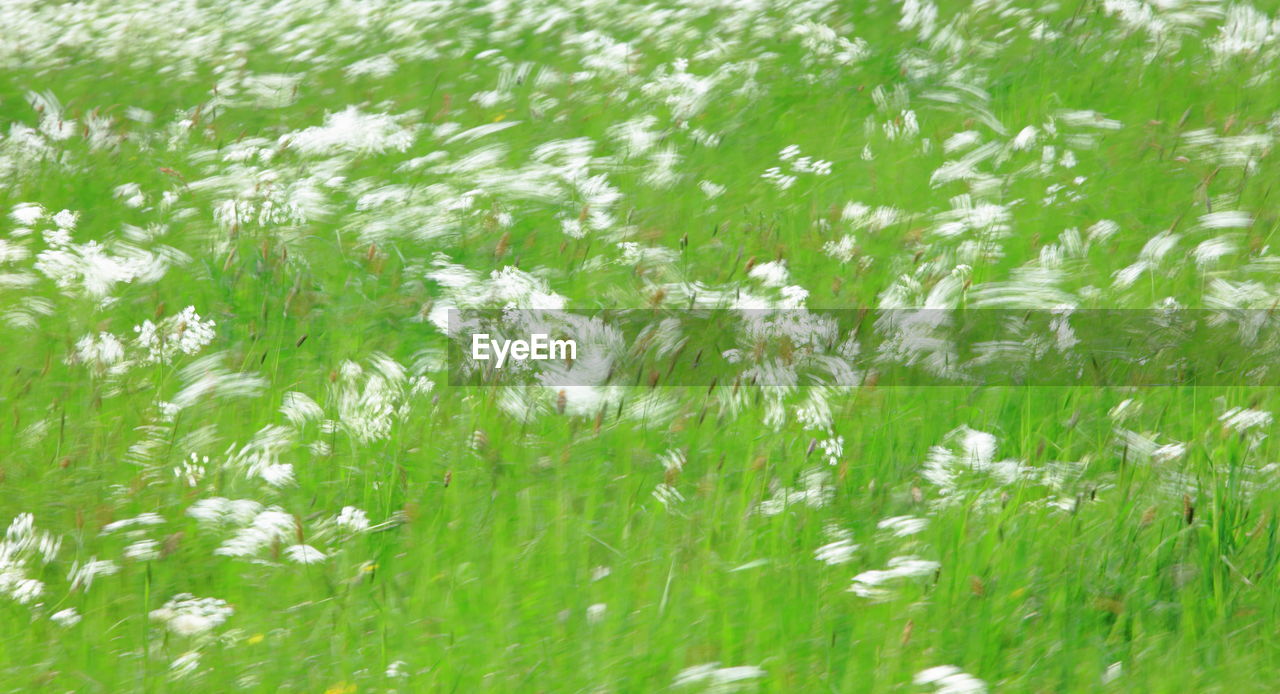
<point>491,530</point>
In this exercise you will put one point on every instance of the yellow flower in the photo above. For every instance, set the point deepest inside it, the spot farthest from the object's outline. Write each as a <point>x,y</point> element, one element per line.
<point>341,688</point>
<point>255,639</point>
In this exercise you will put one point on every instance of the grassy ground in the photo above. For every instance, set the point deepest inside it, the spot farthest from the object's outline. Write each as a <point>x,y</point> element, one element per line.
<point>321,179</point>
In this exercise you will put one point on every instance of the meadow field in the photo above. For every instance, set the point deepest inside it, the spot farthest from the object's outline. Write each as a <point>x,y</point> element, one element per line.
<point>232,457</point>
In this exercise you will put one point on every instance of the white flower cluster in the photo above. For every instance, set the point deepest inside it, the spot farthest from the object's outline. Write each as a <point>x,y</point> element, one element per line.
<point>268,527</point>
<point>351,130</point>
<point>796,165</point>
<point>258,528</point>
<point>815,492</point>
<point>83,575</point>
<point>949,679</point>
<point>91,269</point>
<point>184,333</point>
<point>103,351</point>
<point>352,519</point>
<point>841,548</point>
<point>870,584</point>
<point>370,401</point>
<point>187,615</point>
<point>713,678</point>
<point>22,541</point>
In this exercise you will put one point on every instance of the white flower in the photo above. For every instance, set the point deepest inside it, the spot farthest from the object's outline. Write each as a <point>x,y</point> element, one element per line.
<point>184,665</point>
<point>66,220</point>
<point>19,589</point>
<point>355,132</point>
<point>184,333</point>
<point>140,520</point>
<point>832,448</point>
<point>82,576</point>
<point>353,519</point>
<point>949,679</point>
<point>771,274</point>
<point>187,615</point>
<point>102,351</point>
<point>27,213</point>
<point>268,527</point>
<point>191,471</point>
<point>718,679</point>
<point>217,510</point>
<point>868,583</point>
<point>299,409</point>
<point>65,618</point>
<point>57,238</point>
<point>143,550</point>
<point>781,180</point>
<point>902,526</point>
<point>377,66</point>
<point>711,190</point>
<point>815,492</point>
<point>1026,138</point>
<point>667,495</point>
<point>595,613</point>
<point>838,552</point>
<point>1240,419</point>
<point>304,554</point>
<point>130,194</point>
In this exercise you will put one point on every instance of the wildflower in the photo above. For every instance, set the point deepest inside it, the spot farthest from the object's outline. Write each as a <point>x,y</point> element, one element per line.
<point>304,554</point>
<point>1242,419</point>
<point>771,274</point>
<point>949,679</point>
<point>355,132</point>
<point>300,409</point>
<point>184,333</point>
<point>267,527</point>
<point>82,576</point>
<point>718,679</point>
<point>27,213</point>
<point>143,550</point>
<point>711,190</point>
<point>868,584</point>
<point>141,520</point>
<point>832,448</point>
<point>838,552</point>
<point>217,510</point>
<point>186,615</point>
<point>130,194</point>
<point>377,67</point>
<point>667,495</point>
<point>815,491</point>
<point>903,526</point>
<point>65,618</point>
<point>66,220</point>
<point>103,351</point>
<point>184,665</point>
<point>191,471</point>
